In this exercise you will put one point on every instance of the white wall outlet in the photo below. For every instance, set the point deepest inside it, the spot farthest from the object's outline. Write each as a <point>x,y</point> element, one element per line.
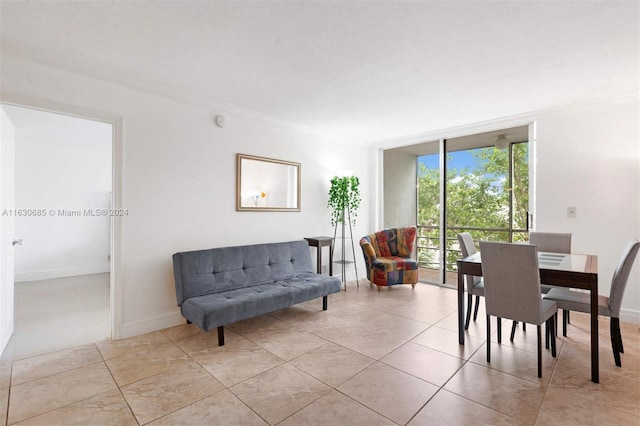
<point>571,212</point>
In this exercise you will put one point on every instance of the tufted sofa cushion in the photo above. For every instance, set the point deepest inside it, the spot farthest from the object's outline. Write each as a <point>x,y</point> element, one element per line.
<point>212,310</point>
<point>231,268</point>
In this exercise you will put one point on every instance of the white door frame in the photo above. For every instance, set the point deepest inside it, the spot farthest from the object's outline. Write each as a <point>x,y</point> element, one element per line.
<point>117,200</point>
<point>7,242</point>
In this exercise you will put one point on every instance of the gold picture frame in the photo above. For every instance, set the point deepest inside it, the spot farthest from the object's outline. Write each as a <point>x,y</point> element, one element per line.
<point>266,184</point>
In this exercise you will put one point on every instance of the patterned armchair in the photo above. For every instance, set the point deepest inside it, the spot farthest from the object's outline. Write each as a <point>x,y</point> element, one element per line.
<point>387,255</point>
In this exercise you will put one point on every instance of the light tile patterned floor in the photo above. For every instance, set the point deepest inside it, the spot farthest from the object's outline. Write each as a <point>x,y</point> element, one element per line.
<point>374,358</point>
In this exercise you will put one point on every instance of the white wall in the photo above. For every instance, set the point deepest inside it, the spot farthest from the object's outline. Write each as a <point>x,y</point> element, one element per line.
<point>62,166</point>
<point>400,201</point>
<point>586,156</point>
<point>179,177</point>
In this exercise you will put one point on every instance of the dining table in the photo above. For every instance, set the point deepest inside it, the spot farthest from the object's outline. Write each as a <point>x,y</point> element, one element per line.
<point>574,271</point>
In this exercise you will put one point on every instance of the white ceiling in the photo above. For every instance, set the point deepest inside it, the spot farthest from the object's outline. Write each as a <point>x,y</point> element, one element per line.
<point>363,70</point>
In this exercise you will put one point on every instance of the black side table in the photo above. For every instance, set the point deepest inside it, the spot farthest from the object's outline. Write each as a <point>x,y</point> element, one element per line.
<point>320,242</point>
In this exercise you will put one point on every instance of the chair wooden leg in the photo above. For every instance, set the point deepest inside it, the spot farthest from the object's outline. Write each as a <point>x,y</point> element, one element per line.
<point>378,287</point>
<point>554,332</point>
<point>539,351</point>
<point>469,301</point>
<point>619,337</point>
<point>614,329</point>
<point>565,321</point>
<point>413,285</point>
<point>547,335</point>
<point>499,330</point>
<point>513,329</point>
<point>475,310</point>
<point>488,338</point>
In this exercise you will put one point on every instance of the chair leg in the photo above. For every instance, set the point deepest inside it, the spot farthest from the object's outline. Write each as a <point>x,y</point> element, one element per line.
<point>547,335</point>
<point>469,301</point>
<point>475,310</point>
<point>513,329</point>
<point>499,330</point>
<point>554,332</point>
<point>539,351</point>
<point>488,338</point>
<point>619,337</point>
<point>614,329</point>
<point>620,347</point>
<point>565,321</point>
<point>568,317</point>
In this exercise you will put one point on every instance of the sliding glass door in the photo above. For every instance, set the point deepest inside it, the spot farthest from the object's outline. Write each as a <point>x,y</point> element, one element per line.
<point>469,185</point>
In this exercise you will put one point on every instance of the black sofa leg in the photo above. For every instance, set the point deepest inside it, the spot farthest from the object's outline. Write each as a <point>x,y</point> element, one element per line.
<point>221,336</point>
<point>188,322</point>
<point>324,303</point>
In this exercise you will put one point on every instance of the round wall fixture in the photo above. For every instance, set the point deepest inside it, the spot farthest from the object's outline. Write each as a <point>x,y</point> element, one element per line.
<point>220,120</point>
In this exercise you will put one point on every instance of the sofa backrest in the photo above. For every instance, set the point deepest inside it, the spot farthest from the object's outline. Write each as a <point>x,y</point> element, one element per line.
<point>202,272</point>
<point>393,241</point>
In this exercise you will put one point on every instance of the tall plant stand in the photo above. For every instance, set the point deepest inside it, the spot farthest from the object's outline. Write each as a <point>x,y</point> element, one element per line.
<point>344,262</point>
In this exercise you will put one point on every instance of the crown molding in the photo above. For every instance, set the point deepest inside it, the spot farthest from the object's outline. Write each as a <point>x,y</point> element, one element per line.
<point>494,124</point>
<point>19,50</point>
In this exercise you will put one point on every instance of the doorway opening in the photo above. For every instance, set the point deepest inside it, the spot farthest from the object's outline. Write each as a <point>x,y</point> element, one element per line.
<point>63,192</point>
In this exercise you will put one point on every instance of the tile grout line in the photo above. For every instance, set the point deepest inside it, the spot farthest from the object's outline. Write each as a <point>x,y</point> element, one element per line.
<point>104,361</point>
<point>6,417</point>
<point>225,388</point>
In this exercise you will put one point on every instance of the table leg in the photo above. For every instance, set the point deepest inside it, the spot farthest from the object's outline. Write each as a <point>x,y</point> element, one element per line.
<point>319,258</point>
<point>460,307</point>
<point>331,259</point>
<point>595,369</point>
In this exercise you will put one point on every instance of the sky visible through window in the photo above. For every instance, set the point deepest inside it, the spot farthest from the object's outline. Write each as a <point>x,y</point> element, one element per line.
<point>458,160</point>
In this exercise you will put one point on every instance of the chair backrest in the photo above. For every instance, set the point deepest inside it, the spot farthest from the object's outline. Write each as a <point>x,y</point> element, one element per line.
<point>512,281</point>
<point>556,242</point>
<point>392,241</point>
<point>468,247</point>
<point>621,276</point>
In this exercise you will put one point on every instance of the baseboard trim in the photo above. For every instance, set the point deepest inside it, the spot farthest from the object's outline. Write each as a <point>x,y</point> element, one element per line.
<point>149,325</point>
<point>60,273</point>
<point>350,275</point>
<point>630,315</point>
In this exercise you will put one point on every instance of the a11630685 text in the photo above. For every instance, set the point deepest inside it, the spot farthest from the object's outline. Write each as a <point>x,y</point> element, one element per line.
<point>63,212</point>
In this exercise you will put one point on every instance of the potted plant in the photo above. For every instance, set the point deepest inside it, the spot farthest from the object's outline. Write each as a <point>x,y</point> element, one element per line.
<point>344,199</point>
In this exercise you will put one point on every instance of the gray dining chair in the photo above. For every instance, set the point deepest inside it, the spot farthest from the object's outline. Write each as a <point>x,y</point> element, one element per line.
<point>607,306</point>
<point>512,290</point>
<point>556,242</point>
<point>475,285</point>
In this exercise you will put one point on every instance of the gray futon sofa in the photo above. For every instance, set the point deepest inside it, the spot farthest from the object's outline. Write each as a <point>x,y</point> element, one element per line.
<point>220,286</point>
